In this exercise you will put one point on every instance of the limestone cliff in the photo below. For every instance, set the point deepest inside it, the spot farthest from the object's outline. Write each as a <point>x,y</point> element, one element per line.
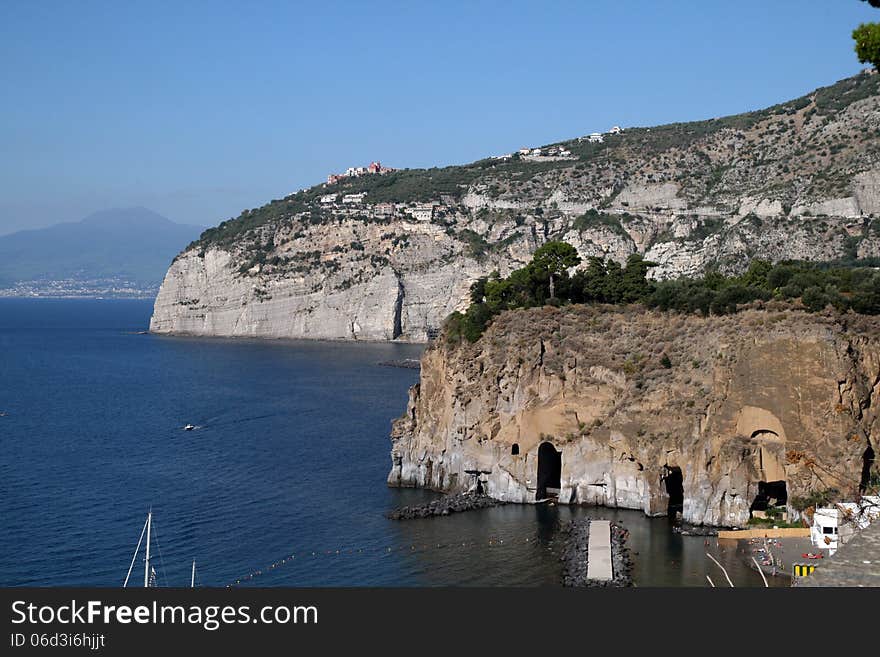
<point>628,398</point>
<point>388,256</point>
<point>351,295</point>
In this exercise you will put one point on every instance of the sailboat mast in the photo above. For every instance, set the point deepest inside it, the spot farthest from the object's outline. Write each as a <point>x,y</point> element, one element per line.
<point>147,557</point>
<point>136,550</point>
<point>192,581</point>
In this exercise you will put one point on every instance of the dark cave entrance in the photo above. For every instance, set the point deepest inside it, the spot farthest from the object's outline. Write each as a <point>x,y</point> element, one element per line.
<point>549,472</point>
<point>514,450</point>
<point>675,490</point>
<point>867,464</point>
<point>771,494</point>
<point>477,486</point>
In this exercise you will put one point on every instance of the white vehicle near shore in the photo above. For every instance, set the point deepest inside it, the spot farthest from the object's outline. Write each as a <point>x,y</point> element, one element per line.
<point>835,525</point>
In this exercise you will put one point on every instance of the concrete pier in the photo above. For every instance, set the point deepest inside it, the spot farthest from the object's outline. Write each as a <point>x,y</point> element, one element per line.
<point>599,551</point>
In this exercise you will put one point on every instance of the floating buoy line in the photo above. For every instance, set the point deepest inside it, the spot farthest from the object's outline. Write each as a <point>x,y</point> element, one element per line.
<point>411,549</point>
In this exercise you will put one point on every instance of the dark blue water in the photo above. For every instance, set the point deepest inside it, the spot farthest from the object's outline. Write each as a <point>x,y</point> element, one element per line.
<point>289,460</point>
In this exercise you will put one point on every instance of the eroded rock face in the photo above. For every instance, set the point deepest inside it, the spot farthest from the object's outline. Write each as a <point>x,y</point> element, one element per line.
<point>343,294</point>
<point>796,181</point>
<point>762,396</point>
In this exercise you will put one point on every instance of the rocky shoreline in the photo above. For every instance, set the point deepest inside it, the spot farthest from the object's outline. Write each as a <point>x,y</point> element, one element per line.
<point>444,506</point>
<point>695,530</point>
<point>574,556</point>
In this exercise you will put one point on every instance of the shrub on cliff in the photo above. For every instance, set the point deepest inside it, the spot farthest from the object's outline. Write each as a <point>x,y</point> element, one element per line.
<point>476,244</point>
<point>814,299</point>
<point>545,281</point>
<point>469,325</point>
<point>815,284</point>
<point>814,499</point>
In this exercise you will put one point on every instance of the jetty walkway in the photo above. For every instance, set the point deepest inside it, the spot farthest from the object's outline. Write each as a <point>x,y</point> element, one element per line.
<point>599,551</point>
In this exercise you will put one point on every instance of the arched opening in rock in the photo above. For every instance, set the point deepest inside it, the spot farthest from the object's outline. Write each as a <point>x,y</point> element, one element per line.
<point>771,495</point>
<point>549,471</point>
<point>768,457</point>
<point>514,450</point>
<point>867,464</point>
<point>675,489</point>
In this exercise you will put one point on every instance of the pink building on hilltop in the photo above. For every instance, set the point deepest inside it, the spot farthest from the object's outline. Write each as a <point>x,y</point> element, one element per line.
<point>354,172</point>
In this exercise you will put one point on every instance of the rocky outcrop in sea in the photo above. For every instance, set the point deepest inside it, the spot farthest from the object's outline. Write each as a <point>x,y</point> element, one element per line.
<point>444,506</point>
<point>636,409</point>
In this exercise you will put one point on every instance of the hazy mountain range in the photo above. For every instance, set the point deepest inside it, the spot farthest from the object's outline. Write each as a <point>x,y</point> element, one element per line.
<point>135,245</point>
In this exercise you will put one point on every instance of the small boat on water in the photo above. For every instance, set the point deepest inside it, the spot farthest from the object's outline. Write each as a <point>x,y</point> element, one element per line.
<point>189,427</point>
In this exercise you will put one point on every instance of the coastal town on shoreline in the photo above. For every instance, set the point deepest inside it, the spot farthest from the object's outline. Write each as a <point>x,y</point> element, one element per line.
<point>75,288</point>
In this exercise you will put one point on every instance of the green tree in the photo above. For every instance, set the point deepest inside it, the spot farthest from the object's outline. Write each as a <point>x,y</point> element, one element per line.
<point>726,300</point>
<point>478,289</point>
<point>635,278</point>
<point>594,279</point>
<point>613,288</point>
<point>756,275</point>
<point>814,299</point>
<point>780,275</point>
<point>867,38</point>
<point>554,259</point>
<point>714,280</point>
<point>477,318</point>
<point>866,298</point>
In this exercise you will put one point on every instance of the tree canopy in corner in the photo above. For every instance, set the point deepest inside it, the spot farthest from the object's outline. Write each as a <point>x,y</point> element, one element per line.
<point>867,38</point>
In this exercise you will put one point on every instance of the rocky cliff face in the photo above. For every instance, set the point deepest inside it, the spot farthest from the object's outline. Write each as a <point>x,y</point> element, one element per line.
<point>351,294</point>
<point>626,401</point>
<point>389,256</point>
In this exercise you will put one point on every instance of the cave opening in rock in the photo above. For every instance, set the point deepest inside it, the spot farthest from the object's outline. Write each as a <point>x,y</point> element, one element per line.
<point>771,494</point>
<point>515,449</point>
<point>549,471</point>
<point>867,464</point>
<point>675,490</point>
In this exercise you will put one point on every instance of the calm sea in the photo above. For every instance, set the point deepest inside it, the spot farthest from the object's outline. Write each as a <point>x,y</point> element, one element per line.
<point>287,466</point>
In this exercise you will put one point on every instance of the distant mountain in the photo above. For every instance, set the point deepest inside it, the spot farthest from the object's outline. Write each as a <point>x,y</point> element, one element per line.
<point>133,244</point>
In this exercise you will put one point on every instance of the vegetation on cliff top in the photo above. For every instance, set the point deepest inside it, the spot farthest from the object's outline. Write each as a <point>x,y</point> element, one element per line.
<point>546,281</point>
<point>660,149</point>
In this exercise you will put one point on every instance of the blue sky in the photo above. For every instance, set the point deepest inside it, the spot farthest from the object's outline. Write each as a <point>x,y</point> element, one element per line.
<point>200,109</point>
